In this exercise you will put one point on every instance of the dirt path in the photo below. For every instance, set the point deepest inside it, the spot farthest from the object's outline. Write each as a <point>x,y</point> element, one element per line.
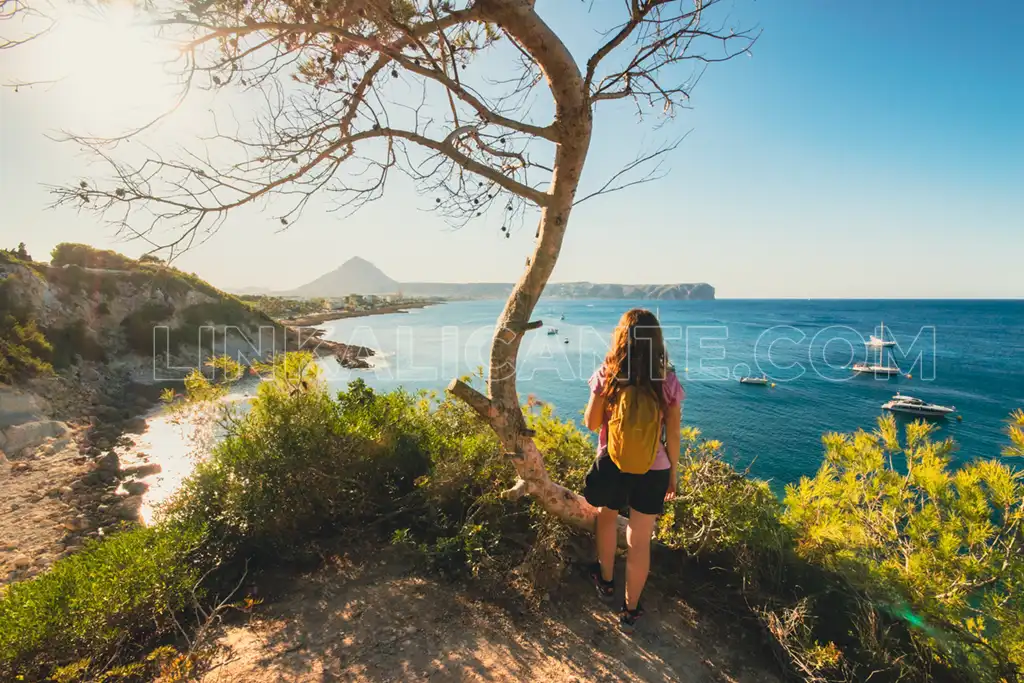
<point>379,620</point>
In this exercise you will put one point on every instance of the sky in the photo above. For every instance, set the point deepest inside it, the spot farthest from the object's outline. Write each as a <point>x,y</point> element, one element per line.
<point>861,150</point>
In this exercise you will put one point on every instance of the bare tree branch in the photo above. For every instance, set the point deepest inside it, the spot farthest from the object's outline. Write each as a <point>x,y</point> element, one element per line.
<point>655,173</point>
<point>31,21</point>
<point>658,37</point>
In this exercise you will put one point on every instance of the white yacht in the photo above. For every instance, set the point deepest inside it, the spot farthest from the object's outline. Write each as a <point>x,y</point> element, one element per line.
<point>879,367</point>
<point>759,381</point>
<point>880,342</point>
<point>901,403</point>
<point>552,331</point>
<point>876,369</point>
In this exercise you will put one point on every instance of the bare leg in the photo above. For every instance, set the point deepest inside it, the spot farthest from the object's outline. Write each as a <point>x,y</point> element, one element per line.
<point>638,558</point>
<point>607,527</point>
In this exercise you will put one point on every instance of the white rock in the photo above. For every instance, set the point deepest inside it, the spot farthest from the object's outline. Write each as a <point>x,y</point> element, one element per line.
<point>19,406</point>
<point>31,434</point>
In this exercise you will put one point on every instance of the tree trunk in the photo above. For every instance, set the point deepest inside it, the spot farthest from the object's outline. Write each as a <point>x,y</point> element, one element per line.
<point>573,121</point>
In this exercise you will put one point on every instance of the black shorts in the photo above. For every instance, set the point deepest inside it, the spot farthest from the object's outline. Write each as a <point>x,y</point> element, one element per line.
<point>608,487</point>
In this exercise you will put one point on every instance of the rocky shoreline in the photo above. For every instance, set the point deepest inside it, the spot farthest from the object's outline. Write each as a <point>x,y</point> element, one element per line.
<point>348,355</point>
<point>61,477</point>
<point>62,481</point>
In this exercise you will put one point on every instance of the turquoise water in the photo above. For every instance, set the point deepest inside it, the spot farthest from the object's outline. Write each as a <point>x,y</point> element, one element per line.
<point>969,354</point>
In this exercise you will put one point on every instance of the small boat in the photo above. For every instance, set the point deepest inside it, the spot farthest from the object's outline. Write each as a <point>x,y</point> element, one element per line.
<point>876,369</point>
<point>901,403</point>
<point>566,340</point>
<point>758,381</point>
<point>552,331</point>
<point>562,317</point>
<point>880,342</point>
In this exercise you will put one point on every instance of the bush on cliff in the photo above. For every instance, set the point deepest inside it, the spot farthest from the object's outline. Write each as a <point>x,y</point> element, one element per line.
<point>304,464</point>
<point>84,256</point>
<point>933,548</point>
<point>24,350</point>
<point>294,468</point>
<point>107,600</point>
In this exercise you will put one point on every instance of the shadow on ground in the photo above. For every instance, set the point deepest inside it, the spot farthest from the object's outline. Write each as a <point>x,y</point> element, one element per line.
<point>372,618</point>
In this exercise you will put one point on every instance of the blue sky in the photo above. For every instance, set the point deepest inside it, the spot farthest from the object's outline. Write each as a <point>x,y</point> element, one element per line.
<point>863,150</point>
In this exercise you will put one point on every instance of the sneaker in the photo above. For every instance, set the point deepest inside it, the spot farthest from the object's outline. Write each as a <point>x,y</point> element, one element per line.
<point>629,617</point>
<point>605,589</point>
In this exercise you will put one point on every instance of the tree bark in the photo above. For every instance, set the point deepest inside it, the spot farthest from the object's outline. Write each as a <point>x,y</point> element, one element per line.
<point>573,125</point>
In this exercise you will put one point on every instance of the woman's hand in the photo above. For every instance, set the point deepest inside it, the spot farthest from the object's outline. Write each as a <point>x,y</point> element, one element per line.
<point>673,482</point>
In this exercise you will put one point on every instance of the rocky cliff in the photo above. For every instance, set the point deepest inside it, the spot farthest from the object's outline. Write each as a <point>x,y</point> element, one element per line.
<point>157,320</point>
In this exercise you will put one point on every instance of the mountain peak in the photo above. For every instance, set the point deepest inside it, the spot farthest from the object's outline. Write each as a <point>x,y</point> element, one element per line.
<point>354,276</point>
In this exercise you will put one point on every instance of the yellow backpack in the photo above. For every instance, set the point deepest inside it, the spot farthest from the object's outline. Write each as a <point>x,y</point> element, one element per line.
<point>634,430</point>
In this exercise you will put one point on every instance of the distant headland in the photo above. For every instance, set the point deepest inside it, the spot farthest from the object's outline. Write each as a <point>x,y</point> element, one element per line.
<point>359,276</point>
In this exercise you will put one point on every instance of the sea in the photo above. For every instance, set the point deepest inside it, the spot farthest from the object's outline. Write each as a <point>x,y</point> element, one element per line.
<point>966,354</point>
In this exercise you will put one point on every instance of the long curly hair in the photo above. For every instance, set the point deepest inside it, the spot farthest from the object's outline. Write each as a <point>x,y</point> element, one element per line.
<point>637,356</point>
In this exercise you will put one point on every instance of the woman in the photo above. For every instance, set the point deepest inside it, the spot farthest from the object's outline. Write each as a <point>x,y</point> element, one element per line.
<point>637,400</point>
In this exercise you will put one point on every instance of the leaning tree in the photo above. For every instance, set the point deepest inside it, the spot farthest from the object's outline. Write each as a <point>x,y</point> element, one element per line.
<point>342,94</point>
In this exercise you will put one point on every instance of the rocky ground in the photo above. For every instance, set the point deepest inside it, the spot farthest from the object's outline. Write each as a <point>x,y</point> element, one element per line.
<point>62,483</point>
<point>368,615</point>
<point>347,355</point>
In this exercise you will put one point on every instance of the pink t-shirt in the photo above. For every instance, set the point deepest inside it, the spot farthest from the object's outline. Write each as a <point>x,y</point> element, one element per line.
<point>674,396</point>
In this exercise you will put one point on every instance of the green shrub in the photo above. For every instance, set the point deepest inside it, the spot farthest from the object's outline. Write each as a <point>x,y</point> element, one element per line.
<point>98,601</point>
<point>568,451</point>
<point>17,255</point>
<point>720,510</point>
<point>293,468</point>
<point>24,350</point>
<point>302,463</point>
<point>74,340</point>
<point>138,326</point>
<point>935,548</point>
<point>67,253</point>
